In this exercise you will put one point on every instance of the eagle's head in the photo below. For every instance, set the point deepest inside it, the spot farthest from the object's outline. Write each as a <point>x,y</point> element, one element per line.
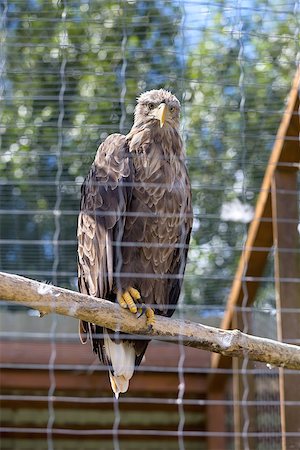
<point>159,108</point>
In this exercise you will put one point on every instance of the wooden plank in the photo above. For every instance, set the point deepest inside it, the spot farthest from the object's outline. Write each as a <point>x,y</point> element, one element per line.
<point>286,154</point>
<point>29,402</point>
<point>124,431</point>
<point>216,421</point>
<point>134,434</point>
<point>103,419</point>
<point>71,353</point>
<point>97,382</point>
<point>287,267</point>
<point>82,371</point>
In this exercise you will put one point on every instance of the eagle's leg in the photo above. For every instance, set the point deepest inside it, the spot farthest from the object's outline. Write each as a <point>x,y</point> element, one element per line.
<point>131,299</point>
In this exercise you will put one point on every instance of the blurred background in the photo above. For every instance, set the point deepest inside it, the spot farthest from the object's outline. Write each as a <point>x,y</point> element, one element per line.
<point>70,72</point>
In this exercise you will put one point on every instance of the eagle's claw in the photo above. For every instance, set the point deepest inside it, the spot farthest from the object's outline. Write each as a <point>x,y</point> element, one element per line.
<point>131,299</point>
<point>141,310</point>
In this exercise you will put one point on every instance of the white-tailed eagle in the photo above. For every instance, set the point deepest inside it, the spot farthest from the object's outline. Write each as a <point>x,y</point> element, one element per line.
<point>134,227</point>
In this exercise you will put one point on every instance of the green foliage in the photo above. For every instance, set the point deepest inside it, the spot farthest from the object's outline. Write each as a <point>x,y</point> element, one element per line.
<point>65,91</point>
<point>238,79</point>
<point>71,75</point>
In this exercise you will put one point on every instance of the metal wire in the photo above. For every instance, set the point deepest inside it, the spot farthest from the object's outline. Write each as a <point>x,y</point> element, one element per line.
<point>57,219</point>
<point>45,194</point>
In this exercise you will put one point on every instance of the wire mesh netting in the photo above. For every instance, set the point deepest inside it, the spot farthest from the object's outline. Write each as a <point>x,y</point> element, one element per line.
<point>70,72</point>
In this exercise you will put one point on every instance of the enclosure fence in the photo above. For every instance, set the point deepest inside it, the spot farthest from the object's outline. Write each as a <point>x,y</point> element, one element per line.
<point>70,73</point>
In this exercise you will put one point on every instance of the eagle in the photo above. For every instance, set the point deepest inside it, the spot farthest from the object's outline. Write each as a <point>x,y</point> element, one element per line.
<point>134,228</point>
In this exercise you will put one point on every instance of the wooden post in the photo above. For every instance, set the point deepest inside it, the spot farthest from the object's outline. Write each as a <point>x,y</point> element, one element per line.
<point>238,390</point>
<point>237,420</point>
<point>287,274</point>
<point>216,420</point>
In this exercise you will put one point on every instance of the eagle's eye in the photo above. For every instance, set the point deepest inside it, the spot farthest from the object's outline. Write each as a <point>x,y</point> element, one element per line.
<point>172,109</point>
<point>151,106</point>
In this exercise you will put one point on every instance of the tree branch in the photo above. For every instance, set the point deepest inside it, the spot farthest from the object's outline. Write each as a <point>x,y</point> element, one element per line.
<point>47,298</point>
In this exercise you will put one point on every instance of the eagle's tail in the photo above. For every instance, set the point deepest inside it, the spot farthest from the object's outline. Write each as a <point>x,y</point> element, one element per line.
<point>122,357</point>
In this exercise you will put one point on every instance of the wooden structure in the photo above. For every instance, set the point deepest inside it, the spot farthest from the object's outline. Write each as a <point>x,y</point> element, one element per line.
<point>82,401</point>
<point>60,392</point>
<point>274,226</point>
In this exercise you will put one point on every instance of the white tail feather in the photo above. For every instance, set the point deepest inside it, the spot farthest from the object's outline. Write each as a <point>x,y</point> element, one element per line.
<point>122,357</point>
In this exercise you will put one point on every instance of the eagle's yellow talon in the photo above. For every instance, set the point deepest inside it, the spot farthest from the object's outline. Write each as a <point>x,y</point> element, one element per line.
<point>127,299</point>
<point>131,299</point>
<point>150,317</point>
<point>134,293</point>
<point>130,302</point>
<point>132,307</point>
<point>121,301</point>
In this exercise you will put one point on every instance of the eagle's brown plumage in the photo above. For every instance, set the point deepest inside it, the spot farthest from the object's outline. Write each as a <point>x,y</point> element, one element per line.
<point>134,224</point>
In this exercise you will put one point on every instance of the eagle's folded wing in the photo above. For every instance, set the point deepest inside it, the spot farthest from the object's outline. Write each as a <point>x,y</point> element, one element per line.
<point>105,194</point>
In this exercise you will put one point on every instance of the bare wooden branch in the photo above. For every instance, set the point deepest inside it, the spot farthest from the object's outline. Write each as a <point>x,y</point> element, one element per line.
<point>47,298</point>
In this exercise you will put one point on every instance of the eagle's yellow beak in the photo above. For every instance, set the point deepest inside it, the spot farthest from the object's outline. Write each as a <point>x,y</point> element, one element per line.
<point>160,114</point>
